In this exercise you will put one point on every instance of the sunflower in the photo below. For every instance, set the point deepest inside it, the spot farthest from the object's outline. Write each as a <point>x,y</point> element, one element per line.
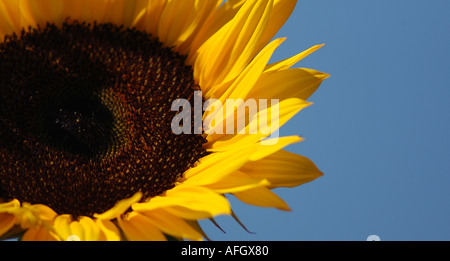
<point>87,87</point>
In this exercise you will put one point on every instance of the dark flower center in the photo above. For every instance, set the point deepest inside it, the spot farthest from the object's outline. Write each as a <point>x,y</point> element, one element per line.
<point>85,117</point>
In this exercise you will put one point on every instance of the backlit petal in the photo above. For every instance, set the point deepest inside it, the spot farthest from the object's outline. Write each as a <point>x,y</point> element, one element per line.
<point>172,225</point>
<point>84,229</point>
<point>199,201</point>
<point>180,20</point>
<point>288,63</point>
<point>6,222</point>
<point>283,169</point>
<point>109,231</point>
<point>284,84</point>
<point>119,208</point>
<point>138,227</point>
<point>218,61</point>
<point>261,197</point>
<point>236,182</point>
<point>9,17</point>
<point>38,234</point>
<point>251,134</point>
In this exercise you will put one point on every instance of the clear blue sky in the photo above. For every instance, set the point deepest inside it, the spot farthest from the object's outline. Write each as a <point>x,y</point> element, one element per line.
<point>379,129</point>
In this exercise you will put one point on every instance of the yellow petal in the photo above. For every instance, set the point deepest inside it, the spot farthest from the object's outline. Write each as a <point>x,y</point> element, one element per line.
<point>84,229</point>
<point>39,12</point>
<point>248,43</point>
<point>249,77</point>
<point>175,18</point>
<point>10,207</point>
<point>38,234</point>
<point>199,201</point>
<point>192,214</point>
<point>172,225</point>
<point>6,222</point>
<point>9,17</point>
<point>270,146</point>
<point>109,231</point>
<point>77,231</point>
<point>29,216</point>
<point>220,61</point>
<point>120,12</point>
<point>180,20</point>
<point>211,169</point>
<point>281,11</point>
<point>217,165</point>
<point>291,83</point>
<point>288,63</point>
<point>150,19</point>
<point>124,12</point>
<point>239,88</point>
<point>62,228</point>
<point>138,227</point>
<point>262,197</point>
<point>195,225</point>
<point>216,20</point>
<point>286,110</point>
<point>43,212</point>
<point>88,10</point>
<point>119,208</point>
<point>90,228</point>
<point>236,182</point>
<point>283,169</point>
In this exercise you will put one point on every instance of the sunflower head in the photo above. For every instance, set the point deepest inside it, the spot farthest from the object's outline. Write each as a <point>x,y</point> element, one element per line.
<point>88,105</point>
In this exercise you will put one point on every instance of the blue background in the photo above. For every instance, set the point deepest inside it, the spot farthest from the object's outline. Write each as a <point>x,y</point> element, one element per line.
<point>379,127</point>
